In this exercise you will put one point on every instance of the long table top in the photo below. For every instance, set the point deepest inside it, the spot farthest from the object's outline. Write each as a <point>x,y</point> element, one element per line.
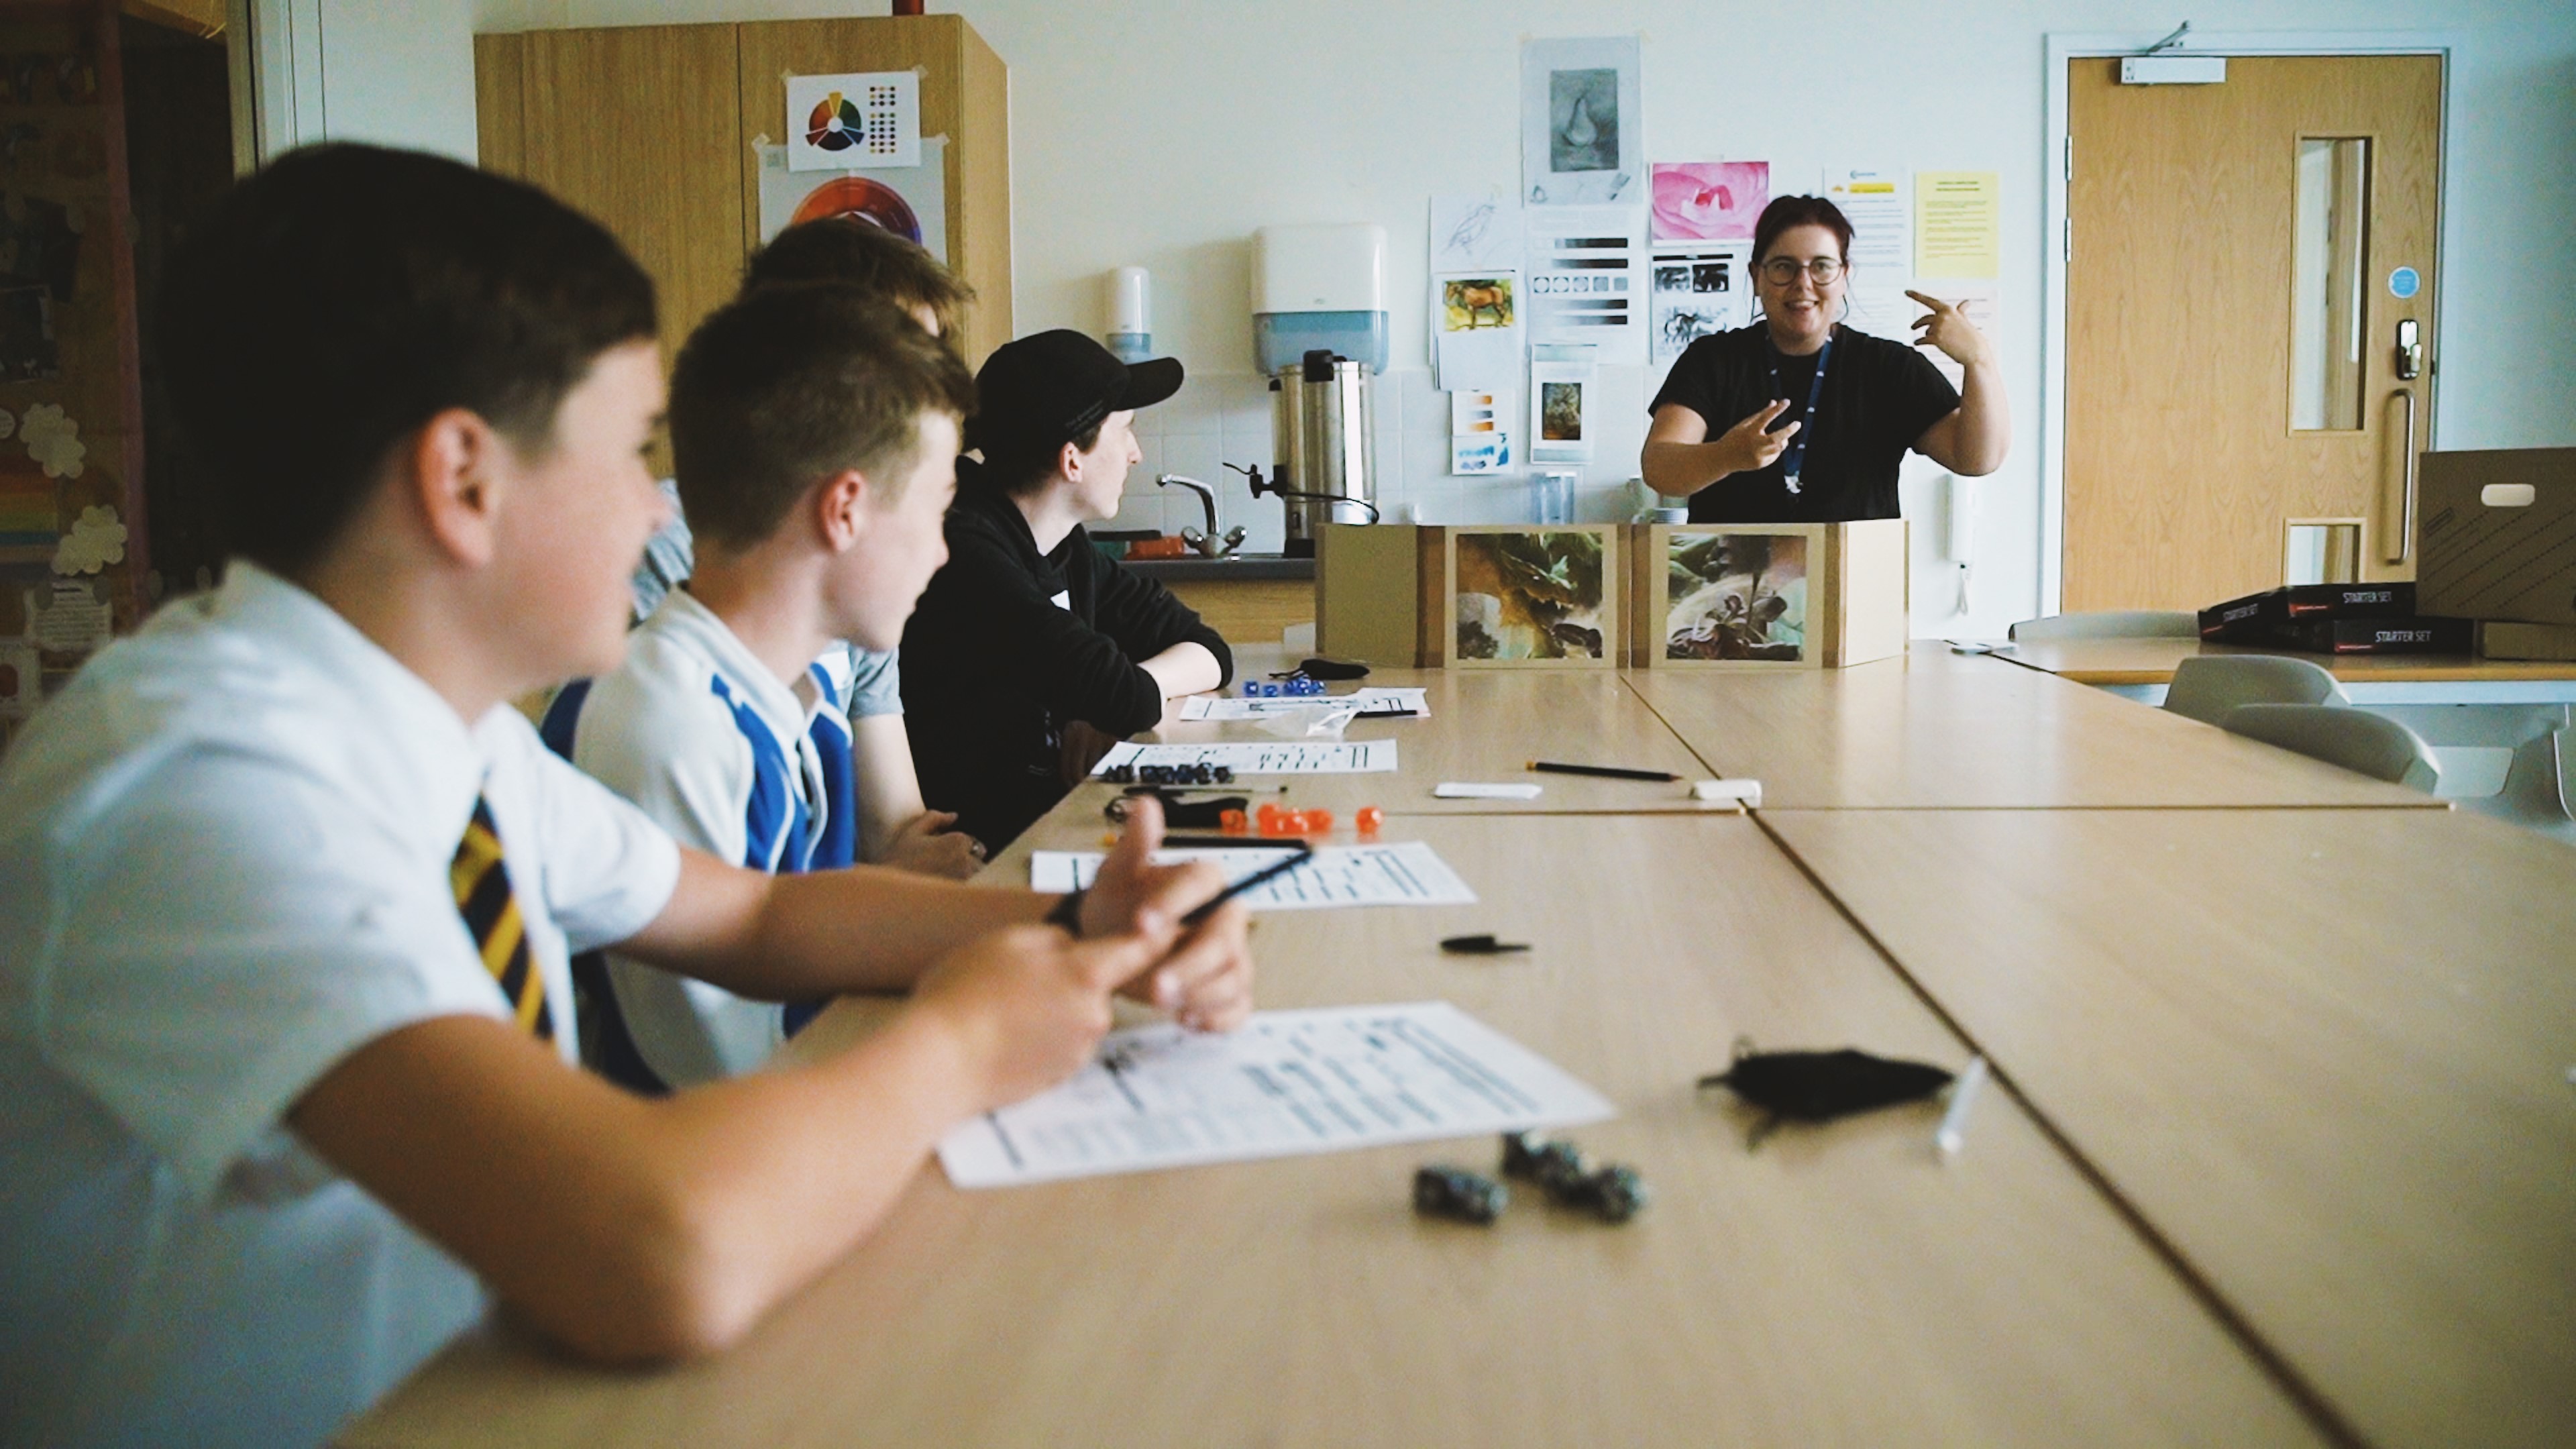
<point>1837,1285</point>
<point>2282,1149</point>
<point>1488,726</point>
<point>2152,661</point>
<point>1934,730</point>
<point>2326,1055</point>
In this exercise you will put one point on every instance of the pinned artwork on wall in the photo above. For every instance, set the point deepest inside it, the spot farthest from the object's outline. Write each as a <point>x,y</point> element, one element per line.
<point>97,539</point>
<point>1710,200</point>
<point>1735,596</point>
<point>53,441</point>
<point>30,525</point>
<point>1582,132</point>
<point>1696,291</point>
<point>1562,408</point>
<point>1476,344</point>
<point>911,202</point>
<point>1528,596</point>
<point>73,617</point>
<point>866,120</point>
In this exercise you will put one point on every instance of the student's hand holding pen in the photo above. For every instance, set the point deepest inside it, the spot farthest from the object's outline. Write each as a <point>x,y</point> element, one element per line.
<point>1026,1008</point>
<point>1205,981</point>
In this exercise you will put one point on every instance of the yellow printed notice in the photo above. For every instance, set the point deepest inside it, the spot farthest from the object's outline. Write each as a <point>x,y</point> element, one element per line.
<point>1958,224</point>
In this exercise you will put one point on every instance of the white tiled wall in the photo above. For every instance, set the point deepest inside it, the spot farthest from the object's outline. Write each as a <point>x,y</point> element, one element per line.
<point>1226,418</point>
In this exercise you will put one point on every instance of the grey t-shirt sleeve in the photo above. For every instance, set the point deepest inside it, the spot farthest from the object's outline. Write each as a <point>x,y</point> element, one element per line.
<point>669,558</point>
<point>876,683</point>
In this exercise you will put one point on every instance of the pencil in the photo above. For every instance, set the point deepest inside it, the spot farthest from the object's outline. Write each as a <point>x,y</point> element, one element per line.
<point>1259,877</point>
<point>1953,1131</point>
<point>1611,772</point>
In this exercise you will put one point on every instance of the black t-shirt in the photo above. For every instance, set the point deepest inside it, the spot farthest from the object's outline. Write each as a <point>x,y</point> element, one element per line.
<point>1879,397</point>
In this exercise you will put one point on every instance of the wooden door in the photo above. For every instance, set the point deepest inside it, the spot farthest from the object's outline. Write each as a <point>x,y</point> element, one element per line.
<point>2193,439</point>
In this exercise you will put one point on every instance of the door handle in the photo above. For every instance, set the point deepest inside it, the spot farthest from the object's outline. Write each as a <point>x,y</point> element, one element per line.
<point>2410,350</point>
<point>2400,541</point>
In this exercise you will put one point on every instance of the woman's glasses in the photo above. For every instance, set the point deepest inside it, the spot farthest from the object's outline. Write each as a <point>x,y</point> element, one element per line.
<point>1781,271</point>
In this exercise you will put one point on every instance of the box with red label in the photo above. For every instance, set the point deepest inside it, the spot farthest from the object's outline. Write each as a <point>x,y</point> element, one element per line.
<point>2243,621</point>
<point>2417,635</point>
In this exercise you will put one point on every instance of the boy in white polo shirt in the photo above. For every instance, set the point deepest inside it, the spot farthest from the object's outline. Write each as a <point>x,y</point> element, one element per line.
<point>894,827</point>
<point>813,428</point>
<point>286,886</point>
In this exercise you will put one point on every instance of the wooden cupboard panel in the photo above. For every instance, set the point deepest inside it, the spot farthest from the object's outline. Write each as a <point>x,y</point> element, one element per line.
<point>500,103</point>
<point>636,126</point>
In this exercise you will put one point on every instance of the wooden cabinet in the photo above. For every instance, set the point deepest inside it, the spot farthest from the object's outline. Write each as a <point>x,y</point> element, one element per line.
<point>650,128</point>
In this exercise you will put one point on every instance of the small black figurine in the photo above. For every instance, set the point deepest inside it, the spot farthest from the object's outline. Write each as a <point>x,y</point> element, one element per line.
<point>1820,1086</point>
<point>1456,1193</point>
<point>1614,1194</point>
<point>1555,1166</point>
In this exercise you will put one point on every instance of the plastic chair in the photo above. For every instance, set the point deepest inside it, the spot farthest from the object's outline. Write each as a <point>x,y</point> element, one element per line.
<point>2111,624</point>
<point>2352,738</point>
<point>2206,686</point>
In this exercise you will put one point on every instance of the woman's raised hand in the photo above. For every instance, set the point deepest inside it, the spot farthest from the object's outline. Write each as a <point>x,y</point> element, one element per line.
<point>1946,328</point>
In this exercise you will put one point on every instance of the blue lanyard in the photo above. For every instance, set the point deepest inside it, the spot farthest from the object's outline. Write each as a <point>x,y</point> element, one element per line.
<point>1796,453</point>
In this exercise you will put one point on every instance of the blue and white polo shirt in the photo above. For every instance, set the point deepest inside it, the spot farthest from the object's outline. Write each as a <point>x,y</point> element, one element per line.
<point>716,748</point>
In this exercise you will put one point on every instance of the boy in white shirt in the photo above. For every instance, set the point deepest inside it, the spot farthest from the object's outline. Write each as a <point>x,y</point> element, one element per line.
<point>894,827</point>
<point>287,887</point>
<point>812,431</point>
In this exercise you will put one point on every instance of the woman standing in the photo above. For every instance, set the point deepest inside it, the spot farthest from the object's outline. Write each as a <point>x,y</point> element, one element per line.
<point>1799,419</point>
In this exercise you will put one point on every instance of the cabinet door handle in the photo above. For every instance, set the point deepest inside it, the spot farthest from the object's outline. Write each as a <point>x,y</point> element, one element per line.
<point>2398,542</point>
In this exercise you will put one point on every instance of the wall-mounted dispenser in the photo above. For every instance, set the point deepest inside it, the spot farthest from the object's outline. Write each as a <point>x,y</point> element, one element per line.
<point>1319,332</point>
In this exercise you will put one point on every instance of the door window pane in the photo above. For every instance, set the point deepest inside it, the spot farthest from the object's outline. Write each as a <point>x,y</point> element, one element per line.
<point>2325,311</point>
<point>2324,552</point>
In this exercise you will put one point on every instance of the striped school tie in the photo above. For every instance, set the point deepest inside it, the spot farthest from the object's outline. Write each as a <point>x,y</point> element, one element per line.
<point>491,911</point>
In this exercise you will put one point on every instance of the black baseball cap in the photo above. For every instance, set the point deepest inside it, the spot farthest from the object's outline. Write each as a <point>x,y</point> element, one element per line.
<point>1046,389</point>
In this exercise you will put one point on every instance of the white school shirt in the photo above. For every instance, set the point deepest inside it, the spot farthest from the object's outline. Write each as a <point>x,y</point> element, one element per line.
<point>672,730</point>
<point>224,857</point>
<point>871,681</point>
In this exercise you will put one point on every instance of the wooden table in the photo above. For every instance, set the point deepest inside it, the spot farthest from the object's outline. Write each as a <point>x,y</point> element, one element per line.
<point>1936,730</point>
<point>2325,1055</point>
<point>2461,679</point>
<point>1837,1286</point>
<point>1488,725</point>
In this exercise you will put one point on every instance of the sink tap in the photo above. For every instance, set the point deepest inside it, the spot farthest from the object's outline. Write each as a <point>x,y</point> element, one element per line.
<point>1209,544</point>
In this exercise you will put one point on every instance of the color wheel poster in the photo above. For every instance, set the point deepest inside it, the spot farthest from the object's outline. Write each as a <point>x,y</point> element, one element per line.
<point>910,201</point>
<point>870,119</point>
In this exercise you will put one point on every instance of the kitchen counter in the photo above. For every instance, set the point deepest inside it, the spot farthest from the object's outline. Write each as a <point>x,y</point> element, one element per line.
<point>1246,567</point>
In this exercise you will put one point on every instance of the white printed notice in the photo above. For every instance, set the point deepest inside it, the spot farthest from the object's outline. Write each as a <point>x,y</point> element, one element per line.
<point>1287,1084</point>
<point>1211,707</point>
<point>1409,873</point>
<point>1356,757</point>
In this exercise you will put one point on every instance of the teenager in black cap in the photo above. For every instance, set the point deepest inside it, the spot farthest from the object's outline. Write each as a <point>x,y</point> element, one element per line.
<point>1030,652</point>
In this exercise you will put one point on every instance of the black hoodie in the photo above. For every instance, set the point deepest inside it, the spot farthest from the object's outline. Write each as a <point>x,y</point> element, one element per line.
<point>1008,644</point>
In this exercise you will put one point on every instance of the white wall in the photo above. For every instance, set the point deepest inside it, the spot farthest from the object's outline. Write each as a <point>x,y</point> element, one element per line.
<point>400,73</point>
<point>1162,132</point>
<point>393,72</point>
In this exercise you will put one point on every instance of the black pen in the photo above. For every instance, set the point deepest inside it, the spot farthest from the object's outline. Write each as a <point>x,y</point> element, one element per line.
<point>1388,714</point>
<point>1611,772</point>
<point>1227,842</point>
<point>1262,876</point>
